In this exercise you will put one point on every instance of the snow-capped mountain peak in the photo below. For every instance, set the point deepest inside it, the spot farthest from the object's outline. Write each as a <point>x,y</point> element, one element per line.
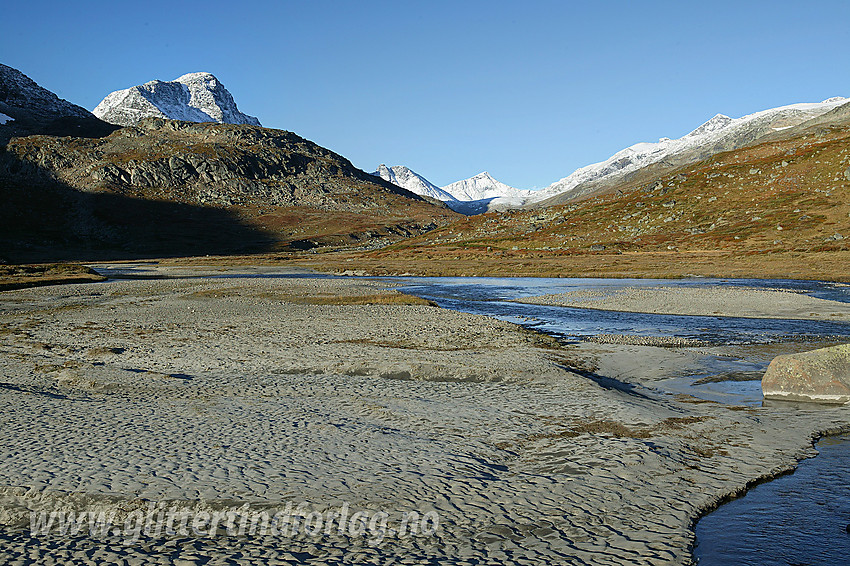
<point>483,186</point>
<point>193,97</point>
<point>405,178</point>
<point>718,122</point>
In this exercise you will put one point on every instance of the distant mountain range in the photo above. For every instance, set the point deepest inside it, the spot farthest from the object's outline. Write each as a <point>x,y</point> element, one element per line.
<point>194,97</point>
<point>778,208</point>
<point>483,193</point>
<point>478,194</point>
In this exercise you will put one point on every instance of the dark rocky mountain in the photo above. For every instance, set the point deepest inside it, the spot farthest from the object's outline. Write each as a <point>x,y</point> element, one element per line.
<point>205,164</point>
<point>35,110</point>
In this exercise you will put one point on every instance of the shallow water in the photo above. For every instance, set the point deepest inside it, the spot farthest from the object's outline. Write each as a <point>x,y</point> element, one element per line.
<point>492,295</point>
<point>755,341</point>
<point>795,519</point>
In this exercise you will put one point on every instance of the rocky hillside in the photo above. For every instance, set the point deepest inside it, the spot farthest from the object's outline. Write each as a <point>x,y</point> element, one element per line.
<point>179,188</point>
<point>194,97</point>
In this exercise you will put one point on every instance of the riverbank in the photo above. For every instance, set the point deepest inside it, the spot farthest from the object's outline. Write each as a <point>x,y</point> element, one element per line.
<point>478,260</point>
<point>223,392</point>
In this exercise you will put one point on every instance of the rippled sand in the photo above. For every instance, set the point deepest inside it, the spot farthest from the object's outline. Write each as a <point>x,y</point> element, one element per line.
<point>219,393</point>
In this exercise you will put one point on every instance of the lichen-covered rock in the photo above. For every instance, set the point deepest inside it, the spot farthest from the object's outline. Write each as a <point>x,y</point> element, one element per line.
<point>821,376</point>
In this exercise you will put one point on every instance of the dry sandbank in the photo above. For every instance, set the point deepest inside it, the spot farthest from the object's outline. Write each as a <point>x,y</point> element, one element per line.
<point>702,301</point>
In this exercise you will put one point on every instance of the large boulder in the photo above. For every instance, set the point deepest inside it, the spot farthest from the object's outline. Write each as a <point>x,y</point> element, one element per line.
<point>820,376</point>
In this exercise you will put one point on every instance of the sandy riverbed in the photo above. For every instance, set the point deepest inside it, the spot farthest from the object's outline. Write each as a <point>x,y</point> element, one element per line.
<point>219,393</point>
<point>702,301</point>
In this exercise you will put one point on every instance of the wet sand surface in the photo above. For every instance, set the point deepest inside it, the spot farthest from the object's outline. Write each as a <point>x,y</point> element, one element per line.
<point>212,393</point>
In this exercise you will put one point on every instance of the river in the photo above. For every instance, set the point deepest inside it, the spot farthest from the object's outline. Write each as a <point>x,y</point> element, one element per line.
<point>797,519</point>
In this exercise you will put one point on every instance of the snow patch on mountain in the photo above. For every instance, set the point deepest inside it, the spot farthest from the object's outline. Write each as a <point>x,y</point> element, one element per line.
<point>194,97</point>
<point>483,193</point>
<point>4,118</point>
<point>720,132</point>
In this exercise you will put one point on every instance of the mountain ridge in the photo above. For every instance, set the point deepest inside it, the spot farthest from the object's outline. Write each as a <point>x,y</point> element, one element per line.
<point>718,134</point>
<point>408,179</point>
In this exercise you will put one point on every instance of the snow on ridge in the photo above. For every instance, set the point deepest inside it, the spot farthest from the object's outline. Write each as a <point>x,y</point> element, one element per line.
<point>709,133</point>
<point>483,186</point>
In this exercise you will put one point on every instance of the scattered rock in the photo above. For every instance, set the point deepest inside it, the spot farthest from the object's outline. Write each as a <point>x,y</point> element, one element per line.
<point>820,376</point>
<point>657,341</point>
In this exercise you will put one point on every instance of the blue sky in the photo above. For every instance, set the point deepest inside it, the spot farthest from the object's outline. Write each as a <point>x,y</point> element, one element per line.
<point>528,91</point>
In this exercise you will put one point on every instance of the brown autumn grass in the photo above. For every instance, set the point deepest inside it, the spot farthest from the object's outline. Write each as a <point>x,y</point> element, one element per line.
<point>22,276</point>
